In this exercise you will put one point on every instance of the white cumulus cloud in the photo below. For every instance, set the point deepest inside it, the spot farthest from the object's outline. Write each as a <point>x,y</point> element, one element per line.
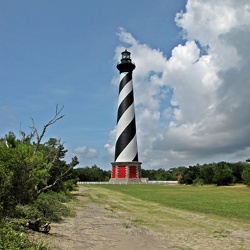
<point>194,106</point>
<point>86,152</point>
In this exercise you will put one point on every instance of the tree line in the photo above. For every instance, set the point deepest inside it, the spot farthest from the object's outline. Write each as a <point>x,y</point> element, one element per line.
<point>221,173</point>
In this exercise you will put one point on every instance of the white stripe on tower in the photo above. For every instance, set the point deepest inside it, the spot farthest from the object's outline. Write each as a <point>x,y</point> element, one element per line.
<point>126,118</point>
<point>126,142</point>
<point>125,90</point>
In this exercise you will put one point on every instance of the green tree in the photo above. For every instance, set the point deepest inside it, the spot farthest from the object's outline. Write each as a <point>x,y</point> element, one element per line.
<point>174,172</point>
<point>223,174</point>
<point>237,169</point>
<point>21,171</point>
<point>246,175</point>
<point>10,140</point>
<point>93,173</point>
<point>149,173</point>
<point>60,175</point>
<point>190,174</point>
<point>161,175</point>
<point>29,167</point>
<point>207,173</point>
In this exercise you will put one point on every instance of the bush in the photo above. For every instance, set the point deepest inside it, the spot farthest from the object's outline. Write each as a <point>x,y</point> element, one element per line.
<point>27,212</point>
<point>198,182</point>
<point>11,239</point>
<point>50,206</point>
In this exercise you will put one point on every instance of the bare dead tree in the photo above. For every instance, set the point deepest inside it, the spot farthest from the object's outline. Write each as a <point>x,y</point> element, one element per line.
<point>57,149</point>
<point>27,138</point>
<point>39,137</point>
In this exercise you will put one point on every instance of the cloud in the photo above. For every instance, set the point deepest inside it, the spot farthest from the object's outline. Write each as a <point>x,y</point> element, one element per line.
<point>110,146</point>
<point>193,107</point>
<point>86,152</point>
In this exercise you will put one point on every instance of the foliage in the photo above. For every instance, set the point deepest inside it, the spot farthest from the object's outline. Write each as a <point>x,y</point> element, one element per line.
<point>212,173</point>
<point>190,174</point>
<point>11,239</point>
<point>162,174</point>
<point>26,173</point>
<point>93,173</point>
<point>246,175</point>
<point>207,173</point>
<point>237,169</point>
<point>33,177</point>
<point>60,174</point>
<point>198,182</point>
<point>223,175</point>
<point>50,206</point>
<point>21,172</point>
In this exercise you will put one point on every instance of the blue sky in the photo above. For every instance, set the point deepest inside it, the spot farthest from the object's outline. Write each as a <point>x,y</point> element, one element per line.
<point>191,81</point>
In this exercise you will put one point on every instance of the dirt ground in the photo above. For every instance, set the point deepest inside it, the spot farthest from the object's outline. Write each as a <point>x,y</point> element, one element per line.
<point>106,220</point>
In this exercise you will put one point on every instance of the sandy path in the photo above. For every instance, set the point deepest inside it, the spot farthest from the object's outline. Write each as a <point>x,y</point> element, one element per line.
<point>110,220</point>
<point>95,227</point>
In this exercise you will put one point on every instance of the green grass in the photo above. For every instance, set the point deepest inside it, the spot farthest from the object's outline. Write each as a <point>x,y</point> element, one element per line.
<point>232,202</point>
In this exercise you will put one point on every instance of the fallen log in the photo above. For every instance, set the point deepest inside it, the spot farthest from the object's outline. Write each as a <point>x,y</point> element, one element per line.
<point>36,225</point>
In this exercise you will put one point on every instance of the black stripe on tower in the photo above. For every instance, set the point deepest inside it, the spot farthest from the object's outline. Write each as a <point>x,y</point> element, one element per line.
<point>124,139</point>
<point>127,78</point>
<point>136,157</point>
<point>125,104</point>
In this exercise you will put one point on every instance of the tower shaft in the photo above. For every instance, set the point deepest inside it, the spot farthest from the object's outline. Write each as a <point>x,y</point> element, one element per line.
<point>126,141</point>
<point>126,166</point>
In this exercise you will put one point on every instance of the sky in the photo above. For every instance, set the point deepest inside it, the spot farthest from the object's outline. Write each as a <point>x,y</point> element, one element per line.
<point>191,82</point>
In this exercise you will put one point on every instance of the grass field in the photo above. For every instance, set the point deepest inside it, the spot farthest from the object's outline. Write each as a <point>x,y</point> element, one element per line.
<point>185,217</point>
<point>231,202</point>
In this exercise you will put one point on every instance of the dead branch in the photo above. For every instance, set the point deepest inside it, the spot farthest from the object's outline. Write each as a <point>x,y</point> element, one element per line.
<point>48,187</point>
<point>56,117</point>
<point>6,143</point>
<point>73,163</point>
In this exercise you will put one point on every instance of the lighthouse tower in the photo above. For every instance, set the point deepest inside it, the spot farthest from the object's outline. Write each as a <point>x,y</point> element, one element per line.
<point>126,167</point>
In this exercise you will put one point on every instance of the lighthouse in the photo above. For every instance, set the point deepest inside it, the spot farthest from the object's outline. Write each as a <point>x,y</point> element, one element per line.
<point>126,167</point>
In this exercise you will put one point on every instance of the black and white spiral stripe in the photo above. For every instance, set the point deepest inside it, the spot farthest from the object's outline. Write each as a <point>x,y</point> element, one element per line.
<point>126,142</point>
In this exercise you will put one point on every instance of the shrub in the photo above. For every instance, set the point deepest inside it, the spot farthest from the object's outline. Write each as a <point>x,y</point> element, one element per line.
<point>51,206</point>
<point>11,239</point>
<point>198,182</point>
<point>48,206</point>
